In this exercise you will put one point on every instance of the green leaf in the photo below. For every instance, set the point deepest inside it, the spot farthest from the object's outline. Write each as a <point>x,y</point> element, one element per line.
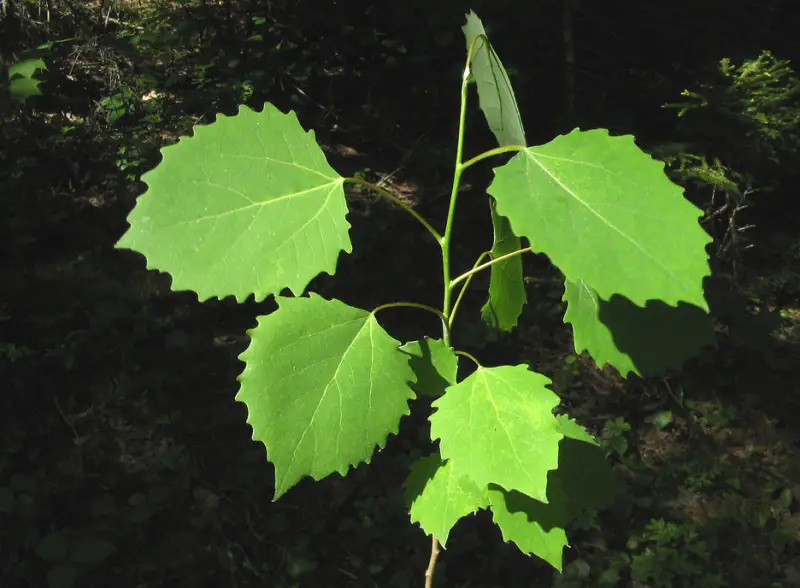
<point>583,481</point>
<point>605,213</point>
<point>439,497</point>
<point>506,286</point>
<point>661,419</point>
<point>21,89</point>
<point>786,497</point>
<point>647,341</point>
<point>536,528</point>
<point>25,68</point>
<point>249,205</point>
<point>496,96</point>
<point>435,366</point>
<point>497,426</point>
<point>494,87</point>
<point>324,385</point>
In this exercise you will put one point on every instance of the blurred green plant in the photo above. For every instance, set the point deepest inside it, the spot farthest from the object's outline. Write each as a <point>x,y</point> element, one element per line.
<point>671,555</point>
<point>739,126</point>
<point>613,438</point>
<point>759,101</point>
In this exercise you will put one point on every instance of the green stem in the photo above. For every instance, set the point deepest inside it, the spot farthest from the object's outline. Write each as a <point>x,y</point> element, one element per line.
<point>492,153</point>
<point>465,286</point>
<point>475,270</point>
<point>470,356</point>
<point>445,244</point>
<point>389,196</point>
<point>459,169</point>
<point>435,311</point>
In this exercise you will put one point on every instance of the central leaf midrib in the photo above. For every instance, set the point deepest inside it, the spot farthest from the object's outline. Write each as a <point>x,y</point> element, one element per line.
<point>502,425</point>
<point>326,388</point>
<point>287,196</point>
<point>533,157</point>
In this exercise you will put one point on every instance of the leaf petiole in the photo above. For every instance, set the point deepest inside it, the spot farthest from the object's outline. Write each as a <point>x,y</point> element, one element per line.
<point>475,270</point>
<point>435,311</point>
<point>389,196</point>
<point>492,153</point>
<point>465,286</point>
<point>469,356</point>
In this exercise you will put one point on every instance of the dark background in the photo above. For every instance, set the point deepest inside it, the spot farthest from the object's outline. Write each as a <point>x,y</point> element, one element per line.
<point>124,459</point>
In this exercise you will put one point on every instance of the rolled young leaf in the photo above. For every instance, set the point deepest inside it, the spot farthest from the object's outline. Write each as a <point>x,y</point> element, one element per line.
<point>506,286</point>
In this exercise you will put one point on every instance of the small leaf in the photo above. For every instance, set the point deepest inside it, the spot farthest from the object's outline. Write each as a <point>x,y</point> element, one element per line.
<point>497,426</point>
<point>25,68</point>
<point>90,551</point>
<point>324,385</point>
<point>605,213</point>
<point>21,89</point>
<point>786,498</point>
<point>53,548</point>
<point>249,205</point>
<point>435,366</point>
<point>506,285</point>
<point>619,444</point>
<point>439,497</point>
<point>494,87</point>
<point>647,341</point>
<point>660,419</point>
<point>534,527</point>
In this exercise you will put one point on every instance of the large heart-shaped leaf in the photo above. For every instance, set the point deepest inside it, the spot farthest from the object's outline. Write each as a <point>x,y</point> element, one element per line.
<point>249,205</point>
<point>605,213</point>
<point>324,385</point>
